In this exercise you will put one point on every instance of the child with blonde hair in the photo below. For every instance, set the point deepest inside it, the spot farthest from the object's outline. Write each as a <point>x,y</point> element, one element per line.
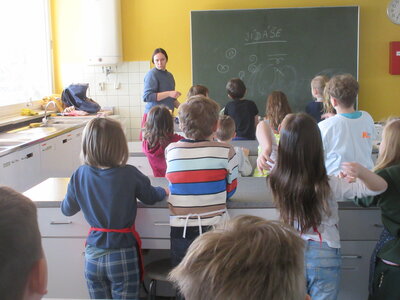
<point>316,108</point>
<point>267,133</point>
<point>385,261</point>
<point>105,188</point>
<point>307,197</point>
<point>245,258</point>
<point>158,134</point>
<point>225,133</point>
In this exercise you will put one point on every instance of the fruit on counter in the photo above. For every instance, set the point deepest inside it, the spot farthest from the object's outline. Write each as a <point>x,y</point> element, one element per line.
<point>28,112</point>
<point>34,125</point>
<point>56,98</point>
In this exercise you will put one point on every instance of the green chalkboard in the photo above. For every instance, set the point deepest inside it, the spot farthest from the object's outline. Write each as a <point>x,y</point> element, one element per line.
<point>273,49</point>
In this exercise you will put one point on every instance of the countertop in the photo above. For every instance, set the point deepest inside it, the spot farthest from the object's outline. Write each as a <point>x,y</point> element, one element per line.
<point>251,193</point>
<point>20,138</point>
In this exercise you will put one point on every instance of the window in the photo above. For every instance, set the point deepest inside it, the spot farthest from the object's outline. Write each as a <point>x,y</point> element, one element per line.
<point>25,55</point>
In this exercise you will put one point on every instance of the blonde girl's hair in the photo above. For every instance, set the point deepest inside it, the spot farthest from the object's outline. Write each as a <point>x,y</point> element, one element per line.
<point>299,181</point>
<point>246,258</point>
<point>104,144</point>
<point>319,83</point>
<point>277,108</point>
<point>389,153</point>
<point>159,126</point>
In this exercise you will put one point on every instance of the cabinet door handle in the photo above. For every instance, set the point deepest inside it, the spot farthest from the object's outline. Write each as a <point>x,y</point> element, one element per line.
<point>378,225</point>
<point>60,222</point>
<point>351,256</point>
<point>161,224</point>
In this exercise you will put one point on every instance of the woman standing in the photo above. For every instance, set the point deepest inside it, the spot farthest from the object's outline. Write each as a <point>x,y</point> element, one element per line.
<point>159,85</point>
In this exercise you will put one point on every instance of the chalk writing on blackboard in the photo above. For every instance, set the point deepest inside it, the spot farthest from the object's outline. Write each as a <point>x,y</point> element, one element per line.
<point>252,67</point>
<point>230,53</point>
<point>272,34</point>
<point>275,75</point>
<point>222,68</point>
<point>277,58</point>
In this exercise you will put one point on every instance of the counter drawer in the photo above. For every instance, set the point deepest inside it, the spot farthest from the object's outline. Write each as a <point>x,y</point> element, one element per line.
<point>53,223</point>
<point>360,224</point>
<point>153,222</point>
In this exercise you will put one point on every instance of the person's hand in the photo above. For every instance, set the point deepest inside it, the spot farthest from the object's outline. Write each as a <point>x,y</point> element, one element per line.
<point>352,170</point>
<point>174,94</point>
<point>176,103</point>
<point>69,109</point>
<point>246,151</point>
<point>166,191</point>
<point>262,161</point>
<point>348,178</point>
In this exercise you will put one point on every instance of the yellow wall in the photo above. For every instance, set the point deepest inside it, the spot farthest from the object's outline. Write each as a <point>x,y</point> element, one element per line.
<point>158,23</point>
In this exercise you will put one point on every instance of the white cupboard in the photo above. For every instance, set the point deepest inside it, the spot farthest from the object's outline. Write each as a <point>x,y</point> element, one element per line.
<point>63,239</point>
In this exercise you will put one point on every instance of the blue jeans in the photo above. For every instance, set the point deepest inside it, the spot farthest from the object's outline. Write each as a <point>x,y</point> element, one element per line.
<point>322,267</point>
<point>179,247</point>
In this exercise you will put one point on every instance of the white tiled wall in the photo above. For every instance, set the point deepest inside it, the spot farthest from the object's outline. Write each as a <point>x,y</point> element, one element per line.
<point>121,89</point>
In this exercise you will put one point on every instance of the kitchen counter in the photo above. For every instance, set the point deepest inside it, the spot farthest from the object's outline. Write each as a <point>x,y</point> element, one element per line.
<point>20,138</point>
<point>251,193</point>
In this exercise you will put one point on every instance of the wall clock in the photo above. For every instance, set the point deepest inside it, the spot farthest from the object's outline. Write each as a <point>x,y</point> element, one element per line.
<point>393,11</point>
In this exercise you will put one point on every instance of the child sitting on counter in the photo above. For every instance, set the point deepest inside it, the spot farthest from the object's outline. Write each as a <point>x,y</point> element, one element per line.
<point>243,112</point>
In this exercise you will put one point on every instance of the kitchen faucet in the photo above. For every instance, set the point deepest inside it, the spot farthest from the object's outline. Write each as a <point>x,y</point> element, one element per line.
<point>44,120</point>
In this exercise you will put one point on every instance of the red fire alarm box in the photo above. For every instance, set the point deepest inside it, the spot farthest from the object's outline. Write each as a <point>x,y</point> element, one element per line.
<point>394,58</point>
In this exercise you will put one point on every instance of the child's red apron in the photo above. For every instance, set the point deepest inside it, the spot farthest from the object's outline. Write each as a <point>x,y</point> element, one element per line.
<point>137,238</point>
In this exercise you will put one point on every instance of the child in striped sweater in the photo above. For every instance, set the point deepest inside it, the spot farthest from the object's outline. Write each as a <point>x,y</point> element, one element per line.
<point>201,173</point>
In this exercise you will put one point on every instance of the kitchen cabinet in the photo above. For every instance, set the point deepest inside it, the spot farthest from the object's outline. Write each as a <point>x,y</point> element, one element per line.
<point>65,260</point>
<point>60,155</point>
<point>28,166</point>
<point>355,269</point>
<point>68,148</point>
<point>48,158</point>
<point>63,240</point>
<point>9,172</point>
<point>359,229</point>
<point>19,170</point>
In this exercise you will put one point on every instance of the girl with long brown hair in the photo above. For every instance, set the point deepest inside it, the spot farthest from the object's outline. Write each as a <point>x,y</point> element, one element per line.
<point>158,134</point>
<point>267,132</point>
<point>306,198</point>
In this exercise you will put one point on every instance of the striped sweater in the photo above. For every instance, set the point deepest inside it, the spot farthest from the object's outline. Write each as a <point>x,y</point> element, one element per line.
<point>202,175</point>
